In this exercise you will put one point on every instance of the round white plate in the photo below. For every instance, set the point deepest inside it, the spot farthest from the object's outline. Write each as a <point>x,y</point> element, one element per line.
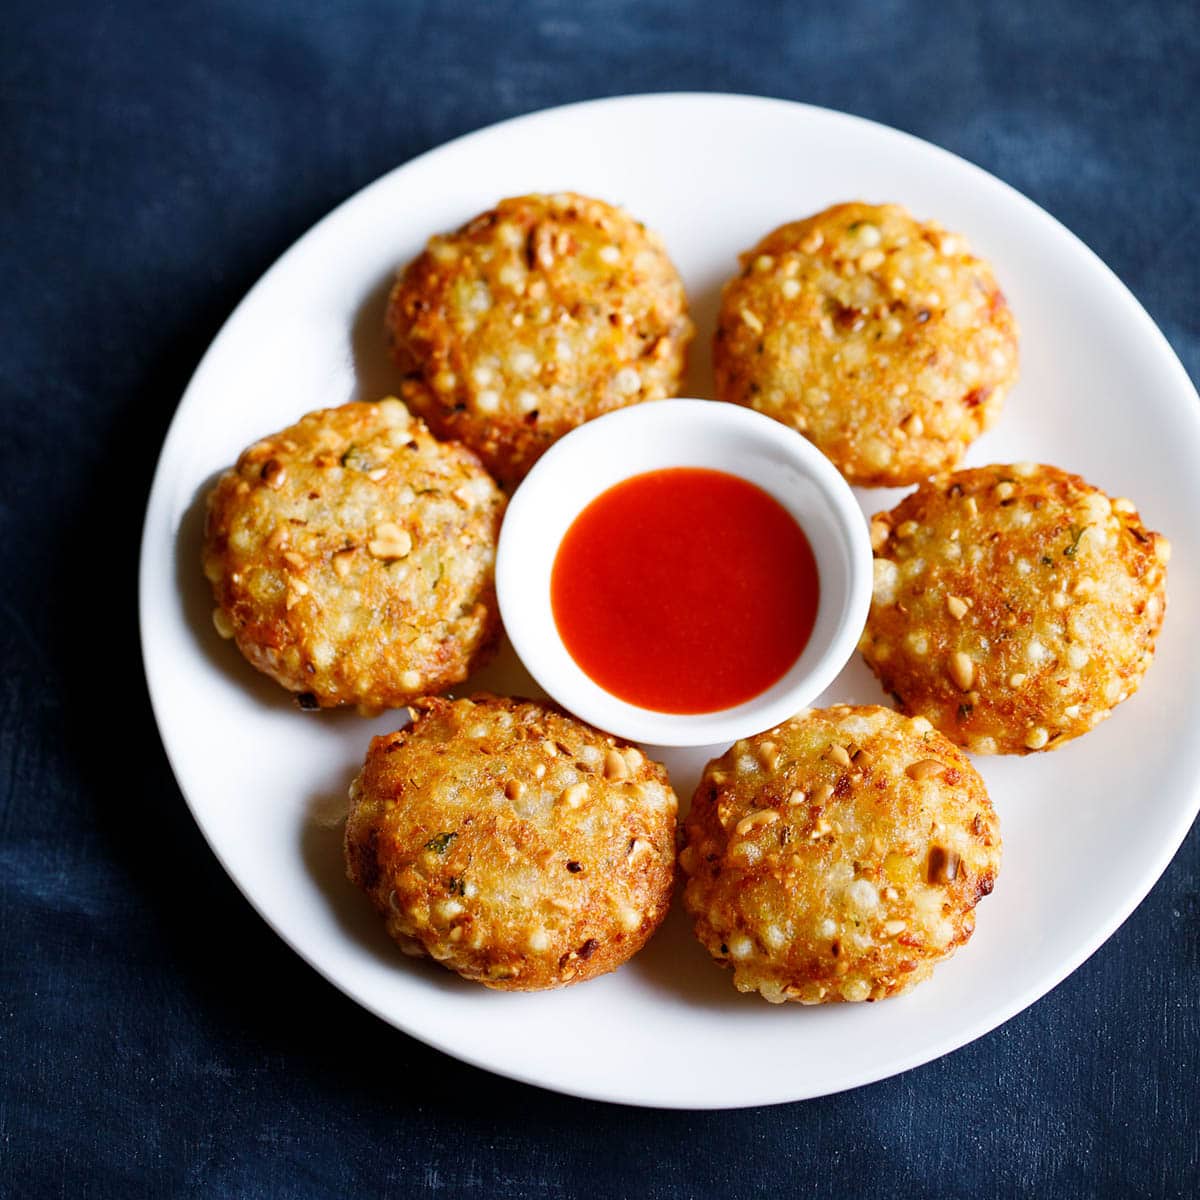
<point>1087,830</point>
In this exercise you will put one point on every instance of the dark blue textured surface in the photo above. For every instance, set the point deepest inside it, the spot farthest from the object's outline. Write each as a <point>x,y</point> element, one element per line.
<point>155,1037</point>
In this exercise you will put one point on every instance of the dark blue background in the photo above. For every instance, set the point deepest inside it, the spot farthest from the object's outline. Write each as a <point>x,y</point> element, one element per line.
<point>157,1039</point>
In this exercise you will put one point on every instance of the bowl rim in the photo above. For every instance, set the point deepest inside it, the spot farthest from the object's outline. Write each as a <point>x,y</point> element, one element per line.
<point>618,716</point>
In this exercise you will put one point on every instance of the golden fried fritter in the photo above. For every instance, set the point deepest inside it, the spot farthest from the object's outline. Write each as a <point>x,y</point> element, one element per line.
<point>351,557</point>
<point>512,843</point>
<point>880,338</point>
<point>1014,606</point>
<point>533,318</point>
<point>839,856</point>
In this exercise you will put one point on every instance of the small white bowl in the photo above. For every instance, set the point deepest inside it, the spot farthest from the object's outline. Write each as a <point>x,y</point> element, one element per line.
<point>682,433</point>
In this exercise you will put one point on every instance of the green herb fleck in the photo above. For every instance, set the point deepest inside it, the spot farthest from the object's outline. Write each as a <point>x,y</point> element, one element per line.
<point>964,711</point>
<point>440,842</point>
<point>1047,561</point>
<point>356,459</point>
<point>456,886</point>
<point>1077,532</point>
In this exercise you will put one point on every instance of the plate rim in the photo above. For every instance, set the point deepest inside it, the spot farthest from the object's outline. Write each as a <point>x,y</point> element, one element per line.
<point>156,515</point>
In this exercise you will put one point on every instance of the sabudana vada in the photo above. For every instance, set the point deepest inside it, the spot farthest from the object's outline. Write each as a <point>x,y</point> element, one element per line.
<point>838,857</point>
<point>880,338</point>
<point>511,843</point>
<point>1014,606</point>
<point>532,318</point>
<point>351,557</point>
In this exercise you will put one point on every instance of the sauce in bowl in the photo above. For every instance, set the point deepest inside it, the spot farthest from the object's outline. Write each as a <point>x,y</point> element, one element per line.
<point>685,590</point>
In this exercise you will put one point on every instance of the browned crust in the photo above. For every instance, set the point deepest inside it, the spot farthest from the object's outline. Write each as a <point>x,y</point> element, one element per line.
<point>296,548</point>
<point>891,352</point>
<point>534,317</point>
<point>856,889</point>
<point>504,875</point>
<point>1053,593</point>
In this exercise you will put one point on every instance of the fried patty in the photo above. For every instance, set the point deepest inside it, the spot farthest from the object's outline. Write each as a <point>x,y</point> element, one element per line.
<point>880,338</point>
<point>532,318</point>
<point>351,557</point>
<point>839,856</point>
<point>1014,606</point>
<point>512,843</point>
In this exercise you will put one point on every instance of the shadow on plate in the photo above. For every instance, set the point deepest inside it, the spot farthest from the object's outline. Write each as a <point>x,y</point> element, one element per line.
<point>375,373</point>
<point>676,965</point>
<point>703,305</point>
<point>504,675</point>
<point>856,685</point>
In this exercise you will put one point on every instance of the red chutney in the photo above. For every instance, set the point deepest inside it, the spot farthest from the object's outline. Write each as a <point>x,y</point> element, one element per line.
<point>685,590</point>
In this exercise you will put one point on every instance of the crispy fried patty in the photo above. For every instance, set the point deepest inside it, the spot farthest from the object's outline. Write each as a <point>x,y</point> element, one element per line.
<point>839,856</point>
<point>351,557</point>
<point>512,843</point>
<point>534,317</point>
<point>1014,606</point>
<point>881,338</point>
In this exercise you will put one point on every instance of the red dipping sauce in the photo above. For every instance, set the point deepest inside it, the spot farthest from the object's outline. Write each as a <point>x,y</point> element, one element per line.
<point>685,590</point>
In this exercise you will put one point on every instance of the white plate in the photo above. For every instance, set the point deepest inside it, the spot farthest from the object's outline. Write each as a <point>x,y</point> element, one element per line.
<point>1087,830</point>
